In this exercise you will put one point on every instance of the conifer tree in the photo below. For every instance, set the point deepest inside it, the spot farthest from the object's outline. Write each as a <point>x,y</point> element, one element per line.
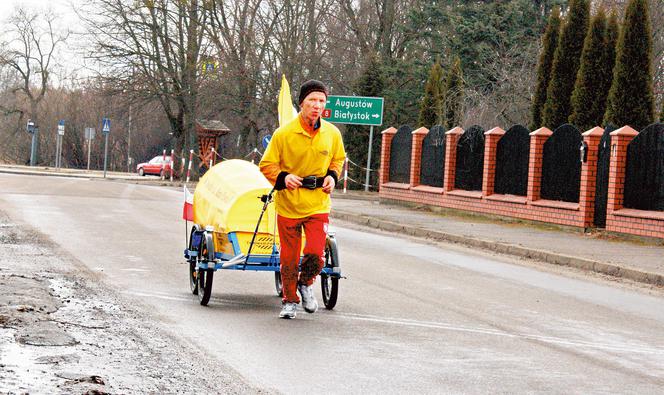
<point>566,64</point>
<point>549,44</point>
<point>631,101</point>
<point>453,101</point>
<point>356,137</point>
<point>612,33</point>
<point>588,98</point>
<point>430,109</point>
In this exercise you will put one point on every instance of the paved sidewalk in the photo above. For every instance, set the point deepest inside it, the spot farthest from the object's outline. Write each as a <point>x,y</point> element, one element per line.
<point>597,251</point>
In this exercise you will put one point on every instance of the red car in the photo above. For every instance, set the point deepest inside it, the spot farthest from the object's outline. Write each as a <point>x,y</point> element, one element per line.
<point>154,166</point>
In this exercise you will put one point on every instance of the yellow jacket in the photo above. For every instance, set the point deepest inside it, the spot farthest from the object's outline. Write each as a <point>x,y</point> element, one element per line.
<point>292,150</point>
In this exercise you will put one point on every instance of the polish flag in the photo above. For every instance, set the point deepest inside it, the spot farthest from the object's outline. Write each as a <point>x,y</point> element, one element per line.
<point>188,208</point>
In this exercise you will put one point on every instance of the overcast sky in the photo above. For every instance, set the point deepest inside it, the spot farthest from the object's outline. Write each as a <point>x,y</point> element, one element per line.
<point>69,57</point>
<point>63,8</point>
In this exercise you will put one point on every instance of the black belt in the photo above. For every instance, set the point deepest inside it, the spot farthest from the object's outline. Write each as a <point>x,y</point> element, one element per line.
<point>312,182</point>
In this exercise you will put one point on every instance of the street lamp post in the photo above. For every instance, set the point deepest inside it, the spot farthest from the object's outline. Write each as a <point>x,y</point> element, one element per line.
<point>33,130</point>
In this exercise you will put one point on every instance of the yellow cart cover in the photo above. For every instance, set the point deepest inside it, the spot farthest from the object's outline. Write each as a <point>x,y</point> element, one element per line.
<point>228,198</point>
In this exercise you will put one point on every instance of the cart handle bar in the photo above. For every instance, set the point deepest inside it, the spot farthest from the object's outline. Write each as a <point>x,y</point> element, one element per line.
<point>266,199</point>
<point>236,260</point>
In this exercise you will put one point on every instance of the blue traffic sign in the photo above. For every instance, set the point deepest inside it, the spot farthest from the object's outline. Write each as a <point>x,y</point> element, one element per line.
<point>106,125</point>
<point>266,141</point>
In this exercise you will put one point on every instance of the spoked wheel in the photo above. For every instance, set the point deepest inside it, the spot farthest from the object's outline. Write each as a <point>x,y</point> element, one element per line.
<point>193,277</point>
<point>278,284</point>
<point>205,276</point>
<point>329,284</point>
<point>330,287</point>
<point>193,261</point>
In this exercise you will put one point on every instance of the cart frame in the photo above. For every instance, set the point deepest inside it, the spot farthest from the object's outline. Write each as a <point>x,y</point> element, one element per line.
<point>203,261</point>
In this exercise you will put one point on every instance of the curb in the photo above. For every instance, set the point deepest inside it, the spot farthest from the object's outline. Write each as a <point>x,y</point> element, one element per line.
<point>504,248</point>
<point>80,174</point>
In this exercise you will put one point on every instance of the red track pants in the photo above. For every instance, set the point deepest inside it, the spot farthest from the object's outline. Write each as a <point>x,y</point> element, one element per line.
<point>290,240</point>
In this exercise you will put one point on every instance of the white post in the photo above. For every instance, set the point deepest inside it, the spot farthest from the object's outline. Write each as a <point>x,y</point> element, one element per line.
<point>345,174</point>
<point>172,162</point>
<point>191,159</point>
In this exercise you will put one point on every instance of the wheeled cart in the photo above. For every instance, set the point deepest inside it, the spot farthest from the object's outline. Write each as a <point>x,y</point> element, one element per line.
<point>235,229</point>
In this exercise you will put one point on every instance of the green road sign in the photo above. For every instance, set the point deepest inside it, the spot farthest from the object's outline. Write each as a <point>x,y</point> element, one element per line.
<point>355,110</point>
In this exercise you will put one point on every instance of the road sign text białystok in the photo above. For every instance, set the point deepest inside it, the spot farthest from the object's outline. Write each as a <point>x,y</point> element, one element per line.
<point>355,110</point>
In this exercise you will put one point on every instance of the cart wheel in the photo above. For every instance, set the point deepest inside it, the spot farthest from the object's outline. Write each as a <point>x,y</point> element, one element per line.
<point>193,273</point>
<point>277,284</point>
<point>330,285</point>
<point>205,252</point>
<point>205,285</point>
<point>193,277</point>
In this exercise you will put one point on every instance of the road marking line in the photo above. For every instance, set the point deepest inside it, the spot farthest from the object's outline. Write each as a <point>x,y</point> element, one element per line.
<point>497,332</point>
<point>188,299</point>
<point>443,326</point>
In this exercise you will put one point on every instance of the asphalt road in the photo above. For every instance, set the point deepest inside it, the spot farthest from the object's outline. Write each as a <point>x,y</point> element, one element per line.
<point>411,317</point>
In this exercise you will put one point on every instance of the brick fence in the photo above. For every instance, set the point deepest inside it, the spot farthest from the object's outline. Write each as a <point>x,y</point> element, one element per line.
<point>529,207</point>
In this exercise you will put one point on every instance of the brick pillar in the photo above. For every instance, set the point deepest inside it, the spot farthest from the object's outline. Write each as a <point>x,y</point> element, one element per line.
<point>537,140</point>
<point>620,139</point>
<point>387,136</point>
<point>491,139</point>
<point>416,155</point>
<point>452,138</point>
<point>589,176</point>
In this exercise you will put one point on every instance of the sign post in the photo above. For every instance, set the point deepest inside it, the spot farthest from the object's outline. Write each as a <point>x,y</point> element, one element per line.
<point>89,135</point>
<point>106,130</point>
<point>58,145</point>
<point>356,110</point>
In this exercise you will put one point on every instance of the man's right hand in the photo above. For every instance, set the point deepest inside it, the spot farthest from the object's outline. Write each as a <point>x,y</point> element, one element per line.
<point>293,182</point>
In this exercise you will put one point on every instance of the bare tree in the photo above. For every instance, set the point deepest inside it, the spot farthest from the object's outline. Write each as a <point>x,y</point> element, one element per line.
<point>152,49</point>
<point>240,33</point>
<point>29,53</point>
<point>387,40</point>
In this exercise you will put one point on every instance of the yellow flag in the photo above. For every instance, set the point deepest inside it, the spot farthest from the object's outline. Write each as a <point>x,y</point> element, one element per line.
<point>285,105</point>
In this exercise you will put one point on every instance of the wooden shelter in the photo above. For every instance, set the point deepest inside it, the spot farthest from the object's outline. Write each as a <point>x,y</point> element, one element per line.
<point>208,131</point>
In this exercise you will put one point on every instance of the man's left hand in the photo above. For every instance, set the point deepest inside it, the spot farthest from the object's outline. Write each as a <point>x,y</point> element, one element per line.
<point>328,184</point>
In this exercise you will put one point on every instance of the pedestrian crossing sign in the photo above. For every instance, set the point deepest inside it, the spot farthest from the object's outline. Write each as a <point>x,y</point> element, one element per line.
<point>106,125</point>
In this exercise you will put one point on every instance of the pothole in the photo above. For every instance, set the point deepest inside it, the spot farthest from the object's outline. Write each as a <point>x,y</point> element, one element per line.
<point>44,333</point>
<point>58,359</point>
